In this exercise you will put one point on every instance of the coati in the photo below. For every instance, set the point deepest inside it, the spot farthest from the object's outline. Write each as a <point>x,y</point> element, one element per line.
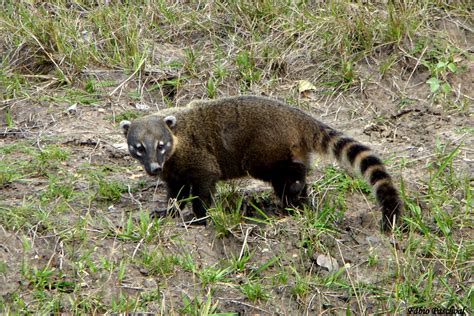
<point>193,147</point>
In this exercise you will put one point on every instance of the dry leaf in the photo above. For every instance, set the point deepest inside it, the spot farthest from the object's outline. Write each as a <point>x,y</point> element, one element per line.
<point>305,85</point>
<point>327,262</point>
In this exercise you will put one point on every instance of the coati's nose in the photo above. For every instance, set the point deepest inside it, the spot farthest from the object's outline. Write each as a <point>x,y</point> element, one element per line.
<point>155,167</point>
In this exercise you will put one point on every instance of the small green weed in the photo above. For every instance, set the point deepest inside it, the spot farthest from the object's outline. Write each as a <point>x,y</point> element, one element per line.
<point>227,210</point>
<point>197,307</point>
<point>301,286</point>
<point>238,263</point>
<point>211,88</point>
<point>248,72</point>
<point>48,156</point>
<point>57,187</point>
<point>3,267</point>
<point>122,303</point>
<point>257,270</point>
<point>372,259</point>
<point>254,291</point>
<point>158,262</point>
<point>33,161</point>
<point>8,118</point>
<point>45,278</point>
<point>109,190</point>
<point>16,217</point>
<point>126,115</point>
<point>212,274</point>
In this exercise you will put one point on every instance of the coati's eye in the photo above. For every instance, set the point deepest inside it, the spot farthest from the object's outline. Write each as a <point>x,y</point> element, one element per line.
<point>140,149</point>
<point>161,145</point>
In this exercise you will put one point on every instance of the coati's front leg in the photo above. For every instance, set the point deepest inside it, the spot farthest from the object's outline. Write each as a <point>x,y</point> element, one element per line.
<point>202,191</point>
<point>176,190</point>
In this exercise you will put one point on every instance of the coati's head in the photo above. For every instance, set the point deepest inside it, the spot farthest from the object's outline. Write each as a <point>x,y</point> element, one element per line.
<point>150,141</point>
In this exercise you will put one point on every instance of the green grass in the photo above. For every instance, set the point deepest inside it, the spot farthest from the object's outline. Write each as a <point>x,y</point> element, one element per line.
<point>212,274</point>
<point>226,213</point>
<point>125,115</point>
<point>78,238</point>
<point>254,291</point>
<point>157,262</point>
<point>199,306</point>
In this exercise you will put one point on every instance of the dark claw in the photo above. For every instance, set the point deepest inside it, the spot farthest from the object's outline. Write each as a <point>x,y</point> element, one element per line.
<point>159,213</point>
<point>202,221</point>
<point>386,225</point>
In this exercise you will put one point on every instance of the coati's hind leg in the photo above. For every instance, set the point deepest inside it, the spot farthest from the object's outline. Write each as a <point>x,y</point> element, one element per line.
<point>289,182</point>
<point>179,192</point>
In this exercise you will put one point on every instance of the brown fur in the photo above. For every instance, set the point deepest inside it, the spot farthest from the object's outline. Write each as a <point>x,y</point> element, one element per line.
<point>249,135</point>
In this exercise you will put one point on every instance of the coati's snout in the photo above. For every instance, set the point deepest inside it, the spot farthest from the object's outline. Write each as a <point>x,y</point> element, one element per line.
<point>150,141</point>
<point>153,169</point>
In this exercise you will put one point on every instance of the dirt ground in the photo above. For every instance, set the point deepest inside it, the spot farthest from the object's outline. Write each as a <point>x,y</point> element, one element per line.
<point>407,137</point>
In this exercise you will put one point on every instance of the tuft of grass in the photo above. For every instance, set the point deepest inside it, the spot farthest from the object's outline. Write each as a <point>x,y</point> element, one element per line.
<point>47,278</point>
<point>57,187</point>
<point>249,73</point>
<point>227,210</point>
<point>212,274</point>
<point>254,291</point>
<point>34,161</point>
<point>144,228</point>
<point>211,88</point>
<point>109,190</point>
<point>257,270</point>
<point>158,262</point>
<point>302,285</point>
<point>122,302</point>
<point>238,263</point>
<point>126,115</point>
<point>198,306</point>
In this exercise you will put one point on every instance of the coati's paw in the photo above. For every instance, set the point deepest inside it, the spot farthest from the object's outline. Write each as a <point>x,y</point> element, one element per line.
<point>387,225</point>
<point>198,221</point>
<point>296,187</point>
<point>295,202</point>
<point>159,213</point>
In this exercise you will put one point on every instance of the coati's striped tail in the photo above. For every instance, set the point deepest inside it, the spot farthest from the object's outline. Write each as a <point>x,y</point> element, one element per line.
<point>349,152</point>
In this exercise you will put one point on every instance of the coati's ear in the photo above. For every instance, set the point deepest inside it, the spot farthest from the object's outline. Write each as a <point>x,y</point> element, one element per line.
<point>125,125</point>
<point>170,120</point>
